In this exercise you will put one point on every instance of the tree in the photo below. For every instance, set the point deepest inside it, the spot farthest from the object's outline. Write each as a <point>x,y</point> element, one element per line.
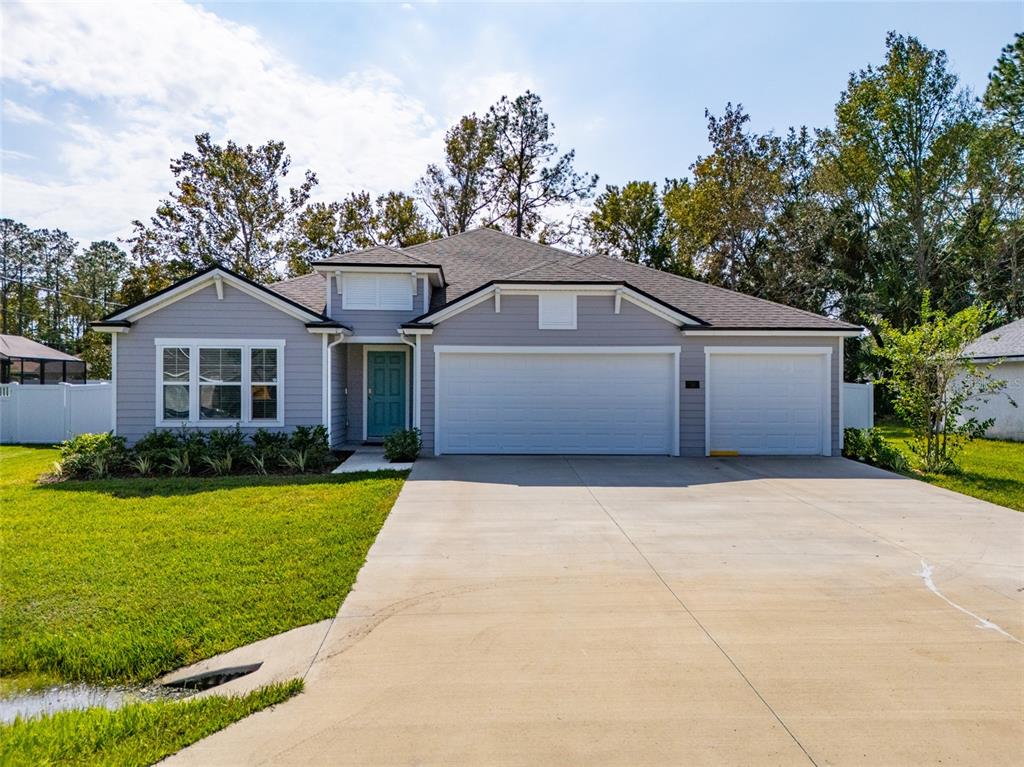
<point>461,189</point>
<point>359,221</point>
<point>934,385</point>
<point>228,207</point>
<point>629,223</point>
<point>1004,95</point>
<point>721,220</point>
<point>898,153</point>
<point>532,179</point>
<point>19,263</point>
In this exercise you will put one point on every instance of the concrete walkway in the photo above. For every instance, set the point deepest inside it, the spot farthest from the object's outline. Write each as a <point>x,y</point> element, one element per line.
<point>550,611</point>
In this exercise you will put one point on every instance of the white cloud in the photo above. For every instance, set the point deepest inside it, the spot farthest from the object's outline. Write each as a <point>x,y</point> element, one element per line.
<point>19,113</point>
<point>158,74</point>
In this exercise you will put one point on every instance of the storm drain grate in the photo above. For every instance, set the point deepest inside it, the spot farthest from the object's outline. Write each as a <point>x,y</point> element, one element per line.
<point>209,679</point>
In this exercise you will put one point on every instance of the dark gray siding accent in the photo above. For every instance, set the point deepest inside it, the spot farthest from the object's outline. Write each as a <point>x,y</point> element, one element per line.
<point>339,400</point>
<point>516,325</point>
<point>201,315</point>
<point>691,433</point>
<point>354,381</point>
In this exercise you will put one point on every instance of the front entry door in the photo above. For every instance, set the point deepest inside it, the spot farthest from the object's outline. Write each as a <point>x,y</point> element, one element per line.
<point>385,393</point>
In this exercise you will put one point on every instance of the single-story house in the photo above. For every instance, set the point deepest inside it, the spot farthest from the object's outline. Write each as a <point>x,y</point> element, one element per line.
<point>487,343</point>
<point>1003,348</point>
<point>24,361</point>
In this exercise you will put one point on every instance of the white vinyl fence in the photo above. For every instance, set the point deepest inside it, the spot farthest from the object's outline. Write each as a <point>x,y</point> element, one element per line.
<point>858,405</point>
<point>50,413</point>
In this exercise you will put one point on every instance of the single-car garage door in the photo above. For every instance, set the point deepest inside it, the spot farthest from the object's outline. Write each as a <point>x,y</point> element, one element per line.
<point>565,401</point>
<point>768,403</point>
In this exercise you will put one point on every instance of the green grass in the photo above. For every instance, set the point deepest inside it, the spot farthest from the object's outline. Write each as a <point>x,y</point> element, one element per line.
<point>992,470</point>
<point>138,734</point>
<point>122,580</point>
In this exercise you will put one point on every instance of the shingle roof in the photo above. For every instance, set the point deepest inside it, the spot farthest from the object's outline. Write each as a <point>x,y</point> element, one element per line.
<point>307,290</point>
<point>380,254</point>
<point>19,346</point>
<point>1007,341</point>
<point>475,258</point>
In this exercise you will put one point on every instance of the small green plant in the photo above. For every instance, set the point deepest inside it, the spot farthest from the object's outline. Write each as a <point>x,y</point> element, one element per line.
<point>258,461</point>
<point>296,460</point>
<point>270,446</point>
<point>403,446</point>
<point>312,441</point>
<point>142,464</point>
<point>220,464</point>
<point>869,446</point>
<point>179,463</point>
<point>91,456</point>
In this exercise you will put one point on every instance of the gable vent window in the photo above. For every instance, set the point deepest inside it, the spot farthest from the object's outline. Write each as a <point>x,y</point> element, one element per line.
<point>376,291</point>
<point>557,311</point>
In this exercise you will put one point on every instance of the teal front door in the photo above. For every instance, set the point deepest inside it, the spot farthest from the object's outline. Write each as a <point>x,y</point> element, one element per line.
<point>385,393</point>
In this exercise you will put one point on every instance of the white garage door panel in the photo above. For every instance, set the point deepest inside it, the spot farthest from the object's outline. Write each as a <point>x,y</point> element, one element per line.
<point>556,403</point>
<point>768,404</point>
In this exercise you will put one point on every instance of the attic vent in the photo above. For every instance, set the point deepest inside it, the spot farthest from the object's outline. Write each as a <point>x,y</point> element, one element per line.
<point>557,311</point>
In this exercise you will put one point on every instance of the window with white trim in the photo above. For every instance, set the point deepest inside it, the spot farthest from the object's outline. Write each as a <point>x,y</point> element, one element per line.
<point>557,311</point>
<point>368,290</point>
<point>216,383</point>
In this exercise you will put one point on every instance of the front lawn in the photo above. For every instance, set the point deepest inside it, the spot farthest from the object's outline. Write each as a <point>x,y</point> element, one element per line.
<point>993,470</point>
<point>133,736</point>
<point>122,580</point>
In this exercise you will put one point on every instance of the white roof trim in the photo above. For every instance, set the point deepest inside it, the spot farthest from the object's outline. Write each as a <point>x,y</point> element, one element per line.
<point>586,289</point>
<point>413,269</point>
<point>824,333</point>
<point>195,284</point>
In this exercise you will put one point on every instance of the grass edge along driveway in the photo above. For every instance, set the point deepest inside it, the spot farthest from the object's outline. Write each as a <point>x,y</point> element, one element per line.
<point>992,469</point>
<point>121,580</point>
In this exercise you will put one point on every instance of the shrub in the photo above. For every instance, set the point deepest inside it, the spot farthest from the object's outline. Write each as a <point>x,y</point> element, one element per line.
<point>311,441</point>
<point>92,456</point>
<point>869,446</point>
<point>268,447</point>
<point>403,446</point>
<point>157,447</point>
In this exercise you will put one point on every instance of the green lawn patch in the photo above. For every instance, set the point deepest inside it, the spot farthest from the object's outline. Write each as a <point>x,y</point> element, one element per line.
<point>138,734</point>
<point>992,470</point>
<point>122,580</point>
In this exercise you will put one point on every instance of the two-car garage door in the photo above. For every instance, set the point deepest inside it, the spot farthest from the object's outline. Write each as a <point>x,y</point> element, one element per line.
<point>558,401</point>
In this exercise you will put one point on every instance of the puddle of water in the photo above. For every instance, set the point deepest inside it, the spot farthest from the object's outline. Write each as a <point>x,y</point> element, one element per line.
<point>78,696</point>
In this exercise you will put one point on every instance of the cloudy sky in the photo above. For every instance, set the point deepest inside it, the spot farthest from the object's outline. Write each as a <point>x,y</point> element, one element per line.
<point>97,98</point>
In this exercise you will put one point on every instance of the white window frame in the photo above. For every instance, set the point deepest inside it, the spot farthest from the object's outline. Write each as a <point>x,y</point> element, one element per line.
<point>574,302</point>
<point>344,278</point>
<point>246,345</point>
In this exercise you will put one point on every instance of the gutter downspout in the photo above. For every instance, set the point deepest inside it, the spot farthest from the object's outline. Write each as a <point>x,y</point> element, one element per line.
<point>415,376</point>
<point>327,358</point>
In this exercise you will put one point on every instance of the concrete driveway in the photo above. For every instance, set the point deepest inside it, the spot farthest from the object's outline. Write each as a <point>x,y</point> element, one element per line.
<point>639,611</point>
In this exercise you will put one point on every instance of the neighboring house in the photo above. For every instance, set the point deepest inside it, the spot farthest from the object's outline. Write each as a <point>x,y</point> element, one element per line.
<point>25,361</point>
<point>489,344</point>
<point>1005,347</point>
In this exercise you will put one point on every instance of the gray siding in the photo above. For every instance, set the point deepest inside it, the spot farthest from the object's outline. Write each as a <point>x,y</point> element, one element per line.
<point>202,315</point>
<point>516,325</point>
<point>354,381</point>
<point>339,398</point>
<point>598,325</point>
